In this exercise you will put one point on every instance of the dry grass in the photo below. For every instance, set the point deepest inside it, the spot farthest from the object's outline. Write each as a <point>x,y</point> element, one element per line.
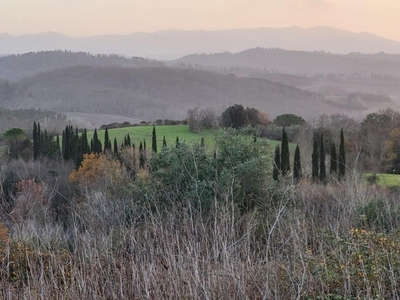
<point>297,245</point>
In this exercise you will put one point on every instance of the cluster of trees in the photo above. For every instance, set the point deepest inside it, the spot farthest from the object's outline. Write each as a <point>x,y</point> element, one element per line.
<point>282,160</point>
<point>319,174</point>
<point>235,116</point>
<point>337,164</point>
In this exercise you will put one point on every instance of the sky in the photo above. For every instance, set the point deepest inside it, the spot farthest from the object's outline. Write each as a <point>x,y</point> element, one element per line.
<point>99,17</point>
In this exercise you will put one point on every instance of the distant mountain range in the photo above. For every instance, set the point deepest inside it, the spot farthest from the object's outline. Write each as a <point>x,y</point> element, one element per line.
<point>169,45</point>
<point>297,62</point>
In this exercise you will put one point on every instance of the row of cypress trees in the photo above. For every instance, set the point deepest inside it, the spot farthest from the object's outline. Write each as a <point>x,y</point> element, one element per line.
<point>282,160</point>
<point>337,164</point>
<point>75,144</point>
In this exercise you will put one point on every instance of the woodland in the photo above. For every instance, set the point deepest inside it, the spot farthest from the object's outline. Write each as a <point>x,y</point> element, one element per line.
<point>84,215</point>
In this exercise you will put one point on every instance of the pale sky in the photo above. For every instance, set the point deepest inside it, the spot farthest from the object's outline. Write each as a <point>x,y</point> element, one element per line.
<point>98,17</point>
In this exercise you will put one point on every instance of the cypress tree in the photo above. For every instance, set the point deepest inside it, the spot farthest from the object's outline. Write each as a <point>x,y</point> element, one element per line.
<point>115,146</point>
<point>128,140</point>
<point>164,142</point>
<point>202,142</point>
<point>277,165</point>
<point>297,174</point>
<point>322,167</point>
<point>63,145</point>
<point>342,156</point>
<point>66,138</point>
<point>334,163</point>
<point>141,156</point>
<point>39,139</point>
<point>177,142</point>
<point>35,142</point>
<point>285,164</point>
<point>58,142</point>
<point>315,162</point>
<point>154,140</point>
<point>107,142</point>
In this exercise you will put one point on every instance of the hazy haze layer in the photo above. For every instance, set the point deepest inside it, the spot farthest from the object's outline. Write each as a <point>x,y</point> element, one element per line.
<point>97,17</point>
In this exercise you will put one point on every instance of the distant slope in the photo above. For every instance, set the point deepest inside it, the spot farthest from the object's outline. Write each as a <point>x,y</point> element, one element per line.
<point>298,62</point>
<point>174,44</point>
<point>153,93</point>
<point>15,67</point>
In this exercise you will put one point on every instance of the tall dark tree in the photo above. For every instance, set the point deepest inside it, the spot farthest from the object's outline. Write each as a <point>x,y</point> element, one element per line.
<point>115,146</point>
<point>322,166</point>
<point>235,116</point>
<point>202,142</point>
<point>39,138</point>
<point>154,140</point>
<point>164,142</point>
<point>128,140</point>
<point>315,162</point>
<point>297,173</point>
<point>35,141</point>
<point>141,156</point>
<point>177,142</point>
<point>342,156</point>
<point>277,164</point>
<point>107,142</point>
<point>97,146</point>
<point>334,162</point>
<point>285,163</point>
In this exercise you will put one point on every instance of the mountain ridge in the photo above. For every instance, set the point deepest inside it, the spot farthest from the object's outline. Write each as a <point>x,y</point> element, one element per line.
<point>172,44</point>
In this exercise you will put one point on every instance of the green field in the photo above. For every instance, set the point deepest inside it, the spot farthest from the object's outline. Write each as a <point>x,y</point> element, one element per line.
<point>138,133</point>
<point>388,180</point>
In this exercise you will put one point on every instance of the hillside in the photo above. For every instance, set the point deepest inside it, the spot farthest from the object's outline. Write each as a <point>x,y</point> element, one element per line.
<point>297,62</point>
<point>15,67</point>
<point>172,44</point>
<point>153,93</point>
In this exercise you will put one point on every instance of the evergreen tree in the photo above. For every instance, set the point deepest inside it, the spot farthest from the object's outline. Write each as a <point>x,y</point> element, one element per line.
<point>285,163</point>
<point>97,146</point>
<point>342,156</point>
<point>35,142</point>
<point>128,140</point>
<point>334,163</point>
<point>315,162</point>
<point>164,142</point>
<point>107,142</point>
<point>322,167</point>
<point>39,139</point>
<point>115,146</point>
<point>177,142</point>
<point>154,140</point>
<point>277,164</point>
<point>202,142</point>
<point>141,156</point>
<point>297,174</point>
<point>58,142</point>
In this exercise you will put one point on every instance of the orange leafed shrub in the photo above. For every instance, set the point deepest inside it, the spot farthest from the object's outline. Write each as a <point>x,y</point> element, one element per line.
<point>97,169</point>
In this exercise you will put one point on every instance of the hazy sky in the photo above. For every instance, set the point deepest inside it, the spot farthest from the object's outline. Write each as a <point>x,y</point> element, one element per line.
<point>95,17</point>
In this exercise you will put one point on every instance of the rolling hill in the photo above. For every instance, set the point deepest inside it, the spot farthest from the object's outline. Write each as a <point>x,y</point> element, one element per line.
<point>153,93</point>
<point>15,67</point>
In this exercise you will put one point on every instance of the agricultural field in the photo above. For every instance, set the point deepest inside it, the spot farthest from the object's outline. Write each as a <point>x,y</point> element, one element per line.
<point>138,133</point>
<point>386,180</point>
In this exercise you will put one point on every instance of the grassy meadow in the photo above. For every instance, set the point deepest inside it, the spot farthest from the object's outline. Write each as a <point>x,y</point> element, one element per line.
<point>138,133</point>
<point>386,180</point>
